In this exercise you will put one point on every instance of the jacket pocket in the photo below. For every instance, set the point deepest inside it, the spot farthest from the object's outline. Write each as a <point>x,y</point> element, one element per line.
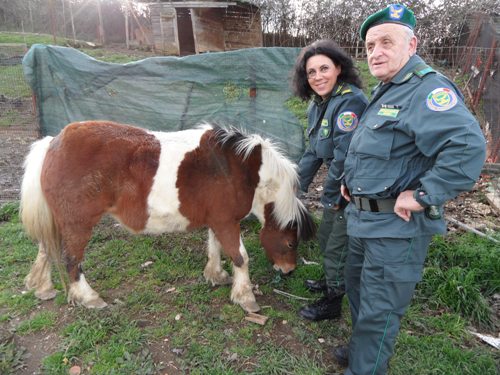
<point>373,175</point>
<point>376,139</point>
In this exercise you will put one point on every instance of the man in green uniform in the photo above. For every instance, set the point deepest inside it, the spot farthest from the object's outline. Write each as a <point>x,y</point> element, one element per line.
<point>416,147</point>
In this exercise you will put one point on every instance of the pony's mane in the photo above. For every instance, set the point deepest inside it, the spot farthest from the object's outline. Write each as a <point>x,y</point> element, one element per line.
<point>276,166</point>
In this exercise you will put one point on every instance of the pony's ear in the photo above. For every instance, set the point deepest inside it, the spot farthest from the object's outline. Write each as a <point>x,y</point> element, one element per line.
<point>306,226</point>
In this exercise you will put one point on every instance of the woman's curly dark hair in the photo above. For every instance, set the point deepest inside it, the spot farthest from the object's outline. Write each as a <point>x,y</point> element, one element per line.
<point>349,73</point>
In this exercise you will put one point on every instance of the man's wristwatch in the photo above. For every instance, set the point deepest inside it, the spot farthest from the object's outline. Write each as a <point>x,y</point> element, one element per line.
<point>418,194</point>
<point>431,211</point>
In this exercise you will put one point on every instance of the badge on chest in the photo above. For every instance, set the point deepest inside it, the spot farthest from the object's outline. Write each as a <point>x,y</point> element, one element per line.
<point>389,110</point>
<point>325,129</point>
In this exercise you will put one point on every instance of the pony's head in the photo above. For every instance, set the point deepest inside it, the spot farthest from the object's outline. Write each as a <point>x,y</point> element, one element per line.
<point>280,244</point>
<point>285,219</point>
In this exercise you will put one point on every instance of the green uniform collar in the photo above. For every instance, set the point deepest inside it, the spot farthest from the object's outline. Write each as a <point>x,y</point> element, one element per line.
<point>414,66</point>
<point>339,89</point>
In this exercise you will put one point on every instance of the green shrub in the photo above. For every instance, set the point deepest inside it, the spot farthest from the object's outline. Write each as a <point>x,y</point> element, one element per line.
<point>9,211</point>
<point>11,358</point>
<point>472,253</point>
<point>460,273</point>
<point>461,293</point>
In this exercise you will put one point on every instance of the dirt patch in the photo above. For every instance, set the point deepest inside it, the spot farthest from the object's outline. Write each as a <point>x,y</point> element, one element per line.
<point>17,132</point>
<point>14,145</point>
<point>36,346</point>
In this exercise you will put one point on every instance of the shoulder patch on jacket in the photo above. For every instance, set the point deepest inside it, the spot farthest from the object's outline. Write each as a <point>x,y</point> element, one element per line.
<point>347,121</point>
<point>441,99</point>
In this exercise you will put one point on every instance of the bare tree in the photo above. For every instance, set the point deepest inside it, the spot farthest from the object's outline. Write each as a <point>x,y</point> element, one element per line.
<point>279,20</point>
<point>439,23</point>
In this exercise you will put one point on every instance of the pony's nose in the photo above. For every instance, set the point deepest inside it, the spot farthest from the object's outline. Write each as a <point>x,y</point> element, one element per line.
<point>285,269</point>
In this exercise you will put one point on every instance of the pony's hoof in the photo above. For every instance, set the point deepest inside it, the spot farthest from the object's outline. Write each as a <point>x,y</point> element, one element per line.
<point>250,306</point>
<point>46,294</point>
<point>97,303</point>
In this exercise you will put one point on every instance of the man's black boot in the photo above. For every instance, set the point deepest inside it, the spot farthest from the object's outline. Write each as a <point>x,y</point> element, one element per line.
<point>341,355</point>
<point>316,286</point>
<point>327,307</point>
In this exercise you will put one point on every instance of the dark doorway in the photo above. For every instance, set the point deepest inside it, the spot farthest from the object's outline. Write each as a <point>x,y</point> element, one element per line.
<point>185,30</point>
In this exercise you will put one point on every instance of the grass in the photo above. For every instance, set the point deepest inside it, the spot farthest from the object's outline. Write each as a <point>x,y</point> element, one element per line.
<point>41,321</point>
<point>12,83</point>
<point>461,274</point>
<point>27,38</point>
<point>436,354</point>
<point>109,340</point>
<point>11,358</point>
<point>165,315</point>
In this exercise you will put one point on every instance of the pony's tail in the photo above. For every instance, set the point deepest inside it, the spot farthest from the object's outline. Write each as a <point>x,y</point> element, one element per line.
<point>35,213</point>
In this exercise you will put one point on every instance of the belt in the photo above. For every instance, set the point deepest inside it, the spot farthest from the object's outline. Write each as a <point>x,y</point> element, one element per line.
<point>374,205</point>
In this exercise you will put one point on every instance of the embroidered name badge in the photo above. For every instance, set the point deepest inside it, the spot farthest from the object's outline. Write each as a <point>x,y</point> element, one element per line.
<point>441,99</point>
<point>347,121</point>
<point>389,112</point>
<point>396,11</point>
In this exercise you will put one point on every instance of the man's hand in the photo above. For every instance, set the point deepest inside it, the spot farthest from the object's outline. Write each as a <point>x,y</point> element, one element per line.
<point>406,204</point>
<point>345,193</point>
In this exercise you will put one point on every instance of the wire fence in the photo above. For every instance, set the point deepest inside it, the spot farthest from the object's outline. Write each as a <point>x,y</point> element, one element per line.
<point>18,123</point>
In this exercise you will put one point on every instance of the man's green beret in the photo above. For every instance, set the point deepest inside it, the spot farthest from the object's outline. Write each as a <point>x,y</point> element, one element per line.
<point>395,13</point>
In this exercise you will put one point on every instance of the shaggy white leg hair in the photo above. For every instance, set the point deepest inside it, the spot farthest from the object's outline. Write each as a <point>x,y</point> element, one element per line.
<point>81,293</point>
<point>214,273</point>
<point>241,293</point>
<point>39,277</point>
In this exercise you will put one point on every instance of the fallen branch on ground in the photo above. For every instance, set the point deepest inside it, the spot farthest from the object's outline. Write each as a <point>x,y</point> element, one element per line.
<point>470,229</point>
<point>256,318</point>
<point>277,291</point>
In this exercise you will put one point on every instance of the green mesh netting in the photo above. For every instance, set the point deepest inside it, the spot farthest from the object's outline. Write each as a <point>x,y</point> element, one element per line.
<point>245,88</point>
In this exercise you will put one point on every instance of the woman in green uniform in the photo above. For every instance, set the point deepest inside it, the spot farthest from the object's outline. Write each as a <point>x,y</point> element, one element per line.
<point>326,75</point>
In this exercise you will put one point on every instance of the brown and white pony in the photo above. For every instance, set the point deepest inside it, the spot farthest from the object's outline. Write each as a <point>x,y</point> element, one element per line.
<point>156,182</point>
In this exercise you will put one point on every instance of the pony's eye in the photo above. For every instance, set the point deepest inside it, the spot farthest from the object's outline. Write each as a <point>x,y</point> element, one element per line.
<point>290,245</point>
